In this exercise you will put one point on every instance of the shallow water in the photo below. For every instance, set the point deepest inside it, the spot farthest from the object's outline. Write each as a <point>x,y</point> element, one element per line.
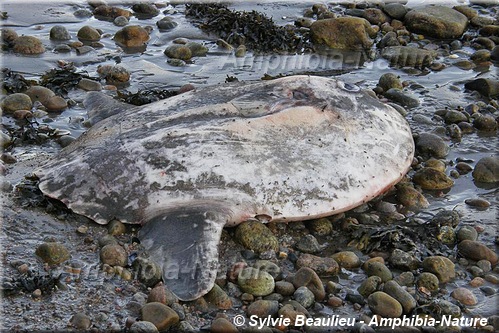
<point>25,229</point>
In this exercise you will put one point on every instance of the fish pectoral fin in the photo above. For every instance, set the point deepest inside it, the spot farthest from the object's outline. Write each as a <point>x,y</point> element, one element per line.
<point>184,242</point>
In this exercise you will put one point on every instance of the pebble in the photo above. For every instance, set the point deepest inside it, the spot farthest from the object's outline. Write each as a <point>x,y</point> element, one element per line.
<point>80,321</point>
<point>110,13</point>
<point>384,305</point>
<point>107,239</point>
<point>436,21</point>
<point>494,54</point>
<point>322,266</point>
<point>17,101</point>
<point>304,296</point>
<point>262,308</point>
<point>197,49</point>
<point>388,81</point>
<point>476,251</point>
<point>269,267</point>
<point>428,281</point>
<point>89,85</point>
<point>369,285</point>
<point>88,33</point>
<point>56,103</point>
<point>379,269</point>
<point>401,97</point>
<point>486,87</point>
<point>114,255</point>
<point>166,23</point>
<point>431,179</point>
<point>487,170</point>
<point>116,227</point>
<point>343,33</point>
<point>224,45</point>
<point>255,282</point>
<point>240,51</point>
<point>407,56</point>
<point>178,51</point>
<point>477,282</point>
<point>446,217</point>
<point>146,10</point>
<point>84,49</point>
<point>320,227</point>
<point>8,35</point>
<point>52,253</point>
<point>160,293</point>
<point>431,145</point>
<point>442,267</point>
<point>308,244</point>
<point>28,45</point>
<point>162,316</point>
<point>404,260</point>
<point>408,196</point>
<point>455,117</point>
<point>59,32</point>
<point>335,302</point>
<point>485,122</point>
<point>485,265</point>
<point>219,298</point>
<point>447,308</point>
<point>463,168</point>
<point>222,325</point>
<point>62,48</point>
<point>405,279</point>
<point>143,327</point>
<point>284,288</point>
<point>395,10</point>
<point>256,236</point>
<point>148,272</point>
<point>308,278</point>
<point>347,259</point>
<point>405,299</point>
<point>131,36</point>
<point>176,62</point>
<point>477,202</point>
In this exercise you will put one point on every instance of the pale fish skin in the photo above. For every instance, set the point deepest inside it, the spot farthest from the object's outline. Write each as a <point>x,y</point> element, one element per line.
<point>290,149</point>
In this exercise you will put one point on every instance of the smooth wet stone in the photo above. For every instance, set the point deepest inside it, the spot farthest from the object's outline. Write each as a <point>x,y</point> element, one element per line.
<point>148,272</point>
<point>52,253</point>
<point>347,259</point>
<point>486,87</point>
<point>379,269</point>
<point>467,233</point>
<point>143,327</point>
<point>160,293</point>
<point>65,140</point>
<point>428,281</point>
<point>401,97</point>
<point>269,267</point>
<point>308,278</point>
<point>197,49</point>
<point>432,145</point>
<point>395,10</point>
<point>88,33</point>
<point>166,23</point>
<point>308,244</point>
<point>438,165</point>
<point>405,299</point>
<point>405,279</point>
<point>322,266</point>
<point>477,202</point>
<point>388,81</point>
<point>463,168</point>
<point>436,21</point>
<point>116,227</point>
<point>480,56</point>
<point>8,35</point>
<point>146,9</point>
<point>447,308</point>
<point>408,56</point>
<point>222,325</point>
<point>219,298</point>
<point>446,235</point>
<point>375,16</point>
<point>408,196</point>
<point>304,296</point>
<point>17,101</point>
<point>89,85</point>
<point>132,36</point>
<point>28,45</point>
<point>284,288</point>
<point>389,39</point>
<point>477,251</point>
<point>110,12</point>
<point>487,170</point>
<point>178,51</point>
<point>343,33</point>
<point>454,117</point>
<point>120,21</point>
<point>255,282</point>
<point>384,305</point>
<point>256,236</point>
<point>162,316</point>
<point>431,179</point>
<point>240,51</point>
<point>485,122</point>
<point>59,32</point>
<point>262,308</point>
<point>56,103</point>
<point>442,267</point>
<point>369,285</point>
<point>114,255</point>
<point>464,296</point>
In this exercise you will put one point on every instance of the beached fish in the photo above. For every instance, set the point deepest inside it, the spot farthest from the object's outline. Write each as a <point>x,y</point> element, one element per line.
<point>290,149</point>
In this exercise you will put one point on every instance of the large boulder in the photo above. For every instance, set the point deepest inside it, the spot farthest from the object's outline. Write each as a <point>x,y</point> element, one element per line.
<point>350,33</point>
<point>436,21</point>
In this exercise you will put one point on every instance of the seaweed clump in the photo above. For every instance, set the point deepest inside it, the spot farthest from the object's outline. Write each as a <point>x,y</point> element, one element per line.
<point>145,96</point>
<point>252,29</point>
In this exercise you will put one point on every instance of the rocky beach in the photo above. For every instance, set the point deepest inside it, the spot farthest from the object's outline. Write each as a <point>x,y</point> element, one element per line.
<point>421,258</point>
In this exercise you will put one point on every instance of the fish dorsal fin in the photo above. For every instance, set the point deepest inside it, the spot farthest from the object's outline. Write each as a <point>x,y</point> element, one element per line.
<point>101,106</point>
<point>184,242</point>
